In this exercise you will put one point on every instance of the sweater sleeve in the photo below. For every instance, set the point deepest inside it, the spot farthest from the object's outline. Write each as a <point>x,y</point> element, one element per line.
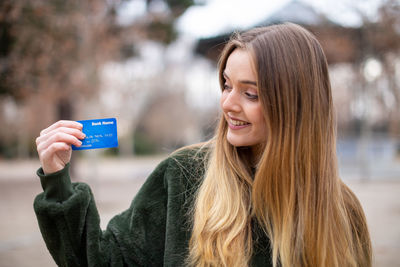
<point>70,225</point>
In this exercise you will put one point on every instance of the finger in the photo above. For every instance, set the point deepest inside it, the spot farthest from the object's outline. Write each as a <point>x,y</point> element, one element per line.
<point>62,123</point>
<point>52,149</point>
<point>72,131</point>
<point>59,137</point>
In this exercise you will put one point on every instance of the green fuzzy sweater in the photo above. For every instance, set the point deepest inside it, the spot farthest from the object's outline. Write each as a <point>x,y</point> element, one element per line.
<point>154,231</point>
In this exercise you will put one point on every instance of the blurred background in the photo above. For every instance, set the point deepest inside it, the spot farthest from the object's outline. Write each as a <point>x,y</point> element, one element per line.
<point>152,64</point>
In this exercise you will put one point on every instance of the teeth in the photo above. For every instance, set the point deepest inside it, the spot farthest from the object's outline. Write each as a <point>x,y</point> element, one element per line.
<point>237,123</point>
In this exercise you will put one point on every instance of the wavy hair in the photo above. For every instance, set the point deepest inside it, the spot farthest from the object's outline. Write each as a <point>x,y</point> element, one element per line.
<point>310,216</point>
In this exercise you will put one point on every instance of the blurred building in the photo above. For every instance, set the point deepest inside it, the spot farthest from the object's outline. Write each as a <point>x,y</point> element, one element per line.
<point>345,49</point>
<point>365,87</point>
<point>165,95</point>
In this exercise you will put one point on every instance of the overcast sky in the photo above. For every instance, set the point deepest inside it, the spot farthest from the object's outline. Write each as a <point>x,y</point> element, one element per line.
<point>218,16</point>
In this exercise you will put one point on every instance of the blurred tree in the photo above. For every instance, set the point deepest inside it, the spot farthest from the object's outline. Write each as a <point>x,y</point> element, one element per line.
<point>379,39</point>
<point>54,49</point>
<point>386,38</point>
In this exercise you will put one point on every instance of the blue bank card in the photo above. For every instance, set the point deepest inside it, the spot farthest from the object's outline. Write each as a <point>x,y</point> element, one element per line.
<point>101,133</point>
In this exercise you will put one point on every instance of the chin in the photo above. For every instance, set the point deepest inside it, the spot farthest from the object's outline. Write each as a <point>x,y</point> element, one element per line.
<point>238,142</point>
<point>244,140</point>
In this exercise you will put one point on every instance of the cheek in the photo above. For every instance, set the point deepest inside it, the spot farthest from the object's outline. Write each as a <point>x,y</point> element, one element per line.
<point>222,98</point>
<point>256,115</point>
<point>259,122</point>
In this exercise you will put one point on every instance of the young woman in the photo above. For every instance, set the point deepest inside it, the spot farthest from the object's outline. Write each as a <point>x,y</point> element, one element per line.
<point>264,192</point>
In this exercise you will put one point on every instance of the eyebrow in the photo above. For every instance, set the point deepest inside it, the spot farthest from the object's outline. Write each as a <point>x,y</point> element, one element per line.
<point>241,81</point>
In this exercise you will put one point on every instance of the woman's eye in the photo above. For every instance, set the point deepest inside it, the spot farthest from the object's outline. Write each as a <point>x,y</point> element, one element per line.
<point>251,96</point>
<point>226,87</point>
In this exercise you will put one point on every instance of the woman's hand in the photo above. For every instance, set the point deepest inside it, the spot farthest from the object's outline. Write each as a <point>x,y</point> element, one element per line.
<point>54,144</point>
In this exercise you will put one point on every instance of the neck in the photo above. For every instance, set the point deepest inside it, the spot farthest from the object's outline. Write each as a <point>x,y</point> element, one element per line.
<point>256,153</point>
<point>251,155</point>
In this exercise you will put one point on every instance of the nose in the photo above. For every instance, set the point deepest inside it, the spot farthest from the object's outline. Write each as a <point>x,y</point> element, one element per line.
<point>230,101</point>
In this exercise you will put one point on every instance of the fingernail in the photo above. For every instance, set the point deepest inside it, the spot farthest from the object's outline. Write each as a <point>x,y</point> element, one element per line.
<point>80,143</point>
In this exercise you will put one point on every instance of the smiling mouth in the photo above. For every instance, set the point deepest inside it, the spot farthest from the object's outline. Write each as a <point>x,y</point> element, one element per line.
<point>238,123</point>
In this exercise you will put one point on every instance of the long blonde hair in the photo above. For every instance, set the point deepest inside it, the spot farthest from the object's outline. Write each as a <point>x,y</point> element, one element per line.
<point>310,216</point>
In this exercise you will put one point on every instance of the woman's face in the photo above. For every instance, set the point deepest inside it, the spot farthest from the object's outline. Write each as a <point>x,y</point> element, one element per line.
<point>239,102</point>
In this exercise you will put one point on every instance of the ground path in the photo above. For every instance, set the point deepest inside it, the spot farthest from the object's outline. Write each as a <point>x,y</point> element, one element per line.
<point>115,182</point>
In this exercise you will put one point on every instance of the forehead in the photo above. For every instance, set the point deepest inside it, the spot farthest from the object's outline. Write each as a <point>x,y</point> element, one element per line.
<point>239,65</point>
